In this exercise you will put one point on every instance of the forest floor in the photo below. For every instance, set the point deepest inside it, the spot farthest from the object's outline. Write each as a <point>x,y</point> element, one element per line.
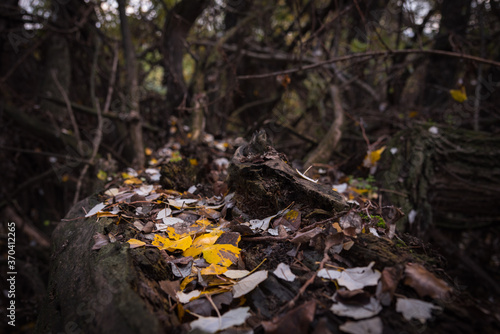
<point>245,260</point>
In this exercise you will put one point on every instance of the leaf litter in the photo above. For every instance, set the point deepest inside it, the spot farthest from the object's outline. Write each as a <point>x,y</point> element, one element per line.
<point>212,256</point>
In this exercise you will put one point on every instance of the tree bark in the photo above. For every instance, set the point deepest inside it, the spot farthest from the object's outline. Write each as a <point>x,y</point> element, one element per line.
<point>175,30</point>
<point>448,179</point>
<point>135,119</point>
<point>104,290</point>
<point>442,71</point>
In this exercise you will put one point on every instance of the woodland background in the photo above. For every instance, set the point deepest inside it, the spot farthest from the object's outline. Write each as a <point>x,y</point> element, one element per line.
<point>87,86</point>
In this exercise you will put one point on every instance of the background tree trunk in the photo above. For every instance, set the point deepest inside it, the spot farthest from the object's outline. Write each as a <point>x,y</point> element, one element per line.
<point>132,103</point>
<point>175,30</point>
<point>442,72</point>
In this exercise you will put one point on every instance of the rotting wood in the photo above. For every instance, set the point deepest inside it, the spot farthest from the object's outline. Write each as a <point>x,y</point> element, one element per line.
<point>263,180</point>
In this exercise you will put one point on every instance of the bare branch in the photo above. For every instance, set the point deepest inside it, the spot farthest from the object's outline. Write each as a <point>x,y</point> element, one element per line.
<point>368,56</point>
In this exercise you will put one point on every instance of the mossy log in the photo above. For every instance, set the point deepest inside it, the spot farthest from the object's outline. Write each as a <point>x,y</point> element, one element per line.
<point>449,177</point>
<point>111,290</point>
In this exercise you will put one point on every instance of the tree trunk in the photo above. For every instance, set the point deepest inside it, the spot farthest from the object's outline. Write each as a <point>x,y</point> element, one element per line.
<point>442,71</point>
<point>135,119</point>
<point>177,25</point>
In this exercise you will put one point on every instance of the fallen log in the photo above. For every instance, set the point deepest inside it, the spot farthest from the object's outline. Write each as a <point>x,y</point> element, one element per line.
<point>442,176</point>
<point>110,290</point>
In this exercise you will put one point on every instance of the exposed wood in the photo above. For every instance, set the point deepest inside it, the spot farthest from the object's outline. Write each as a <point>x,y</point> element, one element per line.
<point>266,183</point>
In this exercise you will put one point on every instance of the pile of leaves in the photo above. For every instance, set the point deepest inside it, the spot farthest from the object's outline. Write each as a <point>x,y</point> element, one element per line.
<point>298,270</point>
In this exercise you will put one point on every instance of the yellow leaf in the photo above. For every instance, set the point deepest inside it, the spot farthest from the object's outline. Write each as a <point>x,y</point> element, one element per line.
<point>372,157</point>
<point>153,161</point>
<point>65,178</point>
<point>213,269</point>
<point>172,245</point>
<point>148,151</point>
<point>161,242</point>
<point>413,114</point>
<point>223,255</point>
<point>201,242</point>
<point>134,243</point>
<point>172,234</point>
<point>102,175</point>
<point>186,281</point>
<point>204,222</point>
<point>193,162</point>
<point>132,180</point>
<point>459,95</point>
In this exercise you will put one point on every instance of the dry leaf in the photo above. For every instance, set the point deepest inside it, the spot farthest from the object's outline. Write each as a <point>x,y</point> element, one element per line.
<point>425,282</point>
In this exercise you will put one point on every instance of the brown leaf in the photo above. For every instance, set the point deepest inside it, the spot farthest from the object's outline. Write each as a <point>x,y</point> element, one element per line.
<point>389,282</point>
<point>425,282</point>
<point>306,236</point>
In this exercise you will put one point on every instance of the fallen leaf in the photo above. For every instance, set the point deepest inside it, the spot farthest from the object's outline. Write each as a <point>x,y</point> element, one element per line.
<point>224,255</point>
<point>134,243</point>
<point>144,190</point>
<point>231,318</point>
<point>172,245</point>
<point>369,326</point>
<point>355,311</point>
<point>213,269</point>
<point>306,236</point>
<point>186,297</point>
<point>358,278</point>
<point>283,271</point>
<point>415,309</point>
<point>96,209</point>
<point>353,278</point>
<point>425,282</point>
<point>249,283</point>
<point>201,242</point>
<point>100,240</point>
<point>181,203</point>
<point>388,284</point>
<point>164,213</point>
<point>236,274</point>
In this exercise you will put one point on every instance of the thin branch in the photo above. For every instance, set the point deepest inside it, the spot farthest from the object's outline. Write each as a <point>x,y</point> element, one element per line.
<point>112,80</point>
<point>98,136</point>
<point>368,56</point>
<point>53,73</point>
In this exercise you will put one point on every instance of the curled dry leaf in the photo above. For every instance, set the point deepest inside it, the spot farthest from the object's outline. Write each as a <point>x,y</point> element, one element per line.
<point>425,282</point>
<point>100,240</point>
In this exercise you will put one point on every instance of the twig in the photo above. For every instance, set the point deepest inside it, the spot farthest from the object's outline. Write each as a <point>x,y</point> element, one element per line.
<point>112,80</point>
<point>98,136</point>
<point>368,56</point>
<point>53,73</point>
